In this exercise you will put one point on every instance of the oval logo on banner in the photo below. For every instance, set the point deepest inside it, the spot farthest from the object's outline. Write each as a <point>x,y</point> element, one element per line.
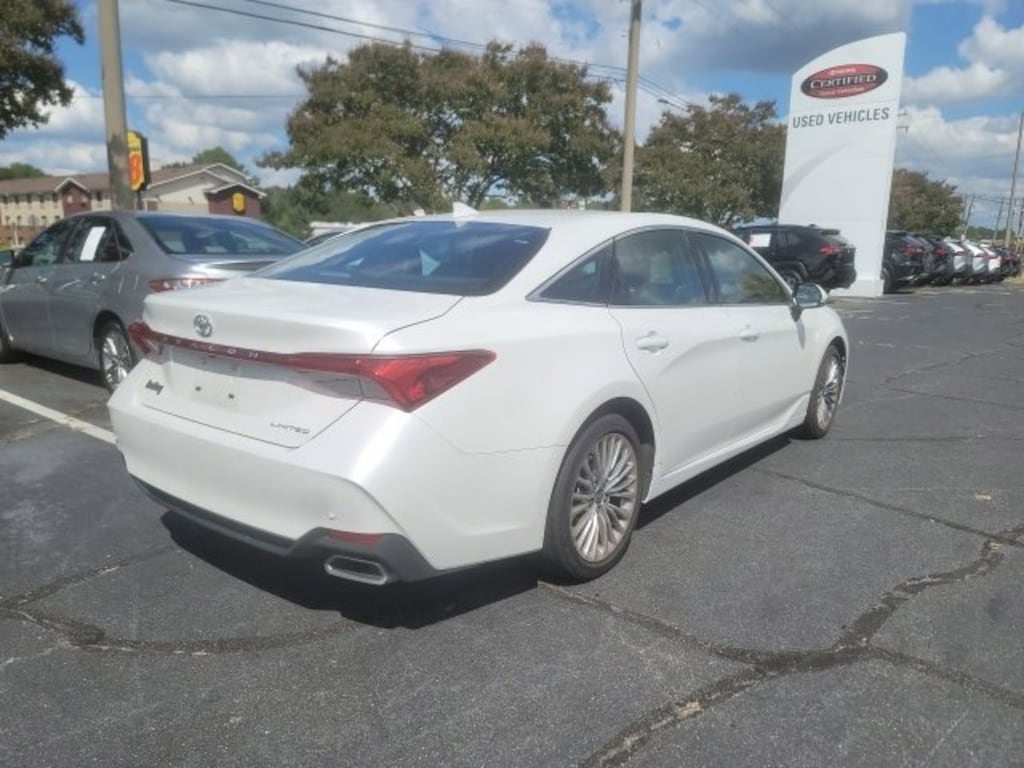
<point>843,81</point>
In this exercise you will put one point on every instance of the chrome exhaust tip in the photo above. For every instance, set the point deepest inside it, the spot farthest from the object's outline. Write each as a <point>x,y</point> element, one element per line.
<point>357,569</point>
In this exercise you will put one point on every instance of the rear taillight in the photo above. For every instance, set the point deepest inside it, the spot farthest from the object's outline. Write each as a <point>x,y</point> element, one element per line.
<point>161,284</point>
<point>828,250</point>
<point>405,381</point>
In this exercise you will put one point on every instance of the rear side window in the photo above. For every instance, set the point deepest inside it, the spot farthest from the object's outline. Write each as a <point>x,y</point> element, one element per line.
<point>584,283</point>
<point>201,237</point>
<point>452,257</point>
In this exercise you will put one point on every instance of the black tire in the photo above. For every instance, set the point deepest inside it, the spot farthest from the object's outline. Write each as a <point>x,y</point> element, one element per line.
<point>608,517</point>
<point>114,354</point>
<point>887,286</point>
<point>825,395</point>
<point>8,354</point>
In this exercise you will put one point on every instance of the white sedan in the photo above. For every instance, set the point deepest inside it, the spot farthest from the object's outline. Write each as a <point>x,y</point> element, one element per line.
<point>426,394</point>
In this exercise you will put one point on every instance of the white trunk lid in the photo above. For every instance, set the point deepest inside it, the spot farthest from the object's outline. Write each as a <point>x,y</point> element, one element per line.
<point>233,379</point>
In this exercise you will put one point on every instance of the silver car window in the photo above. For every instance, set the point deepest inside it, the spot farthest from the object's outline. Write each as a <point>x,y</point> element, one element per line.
<point>47,247</point>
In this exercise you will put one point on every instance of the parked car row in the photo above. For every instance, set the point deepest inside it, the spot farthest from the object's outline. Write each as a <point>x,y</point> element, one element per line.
<point>819,255</point>
<point>913,258</point>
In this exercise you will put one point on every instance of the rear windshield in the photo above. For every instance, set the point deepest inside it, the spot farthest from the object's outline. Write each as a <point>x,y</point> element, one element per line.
<point>839,240</point>
<point>460,258</point>
<point>202,237</point>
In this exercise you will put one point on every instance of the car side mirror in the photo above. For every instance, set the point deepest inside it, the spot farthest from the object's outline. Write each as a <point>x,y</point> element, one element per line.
<point>807,296</point>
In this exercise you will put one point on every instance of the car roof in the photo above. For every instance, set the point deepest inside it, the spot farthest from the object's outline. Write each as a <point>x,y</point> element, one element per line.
<point>552,218</point>
<point>133,214</point>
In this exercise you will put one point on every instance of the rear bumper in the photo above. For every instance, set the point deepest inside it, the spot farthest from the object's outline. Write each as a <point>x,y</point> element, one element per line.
<point>841,276</point>
<point>395,554</point>
<point>378,472</point>
<point>906,272</point>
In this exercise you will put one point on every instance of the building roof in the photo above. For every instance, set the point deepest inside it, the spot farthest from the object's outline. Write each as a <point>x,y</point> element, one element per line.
<point>100,182</point>
<point>235,185</point>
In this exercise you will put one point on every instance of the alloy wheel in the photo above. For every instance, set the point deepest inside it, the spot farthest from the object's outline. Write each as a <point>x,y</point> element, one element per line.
<point>605,498</point>
<point>831,388</point>
<point>115,358</point>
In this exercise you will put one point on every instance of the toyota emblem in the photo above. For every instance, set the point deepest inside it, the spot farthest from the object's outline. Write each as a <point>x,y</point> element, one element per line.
<point>202,325</point>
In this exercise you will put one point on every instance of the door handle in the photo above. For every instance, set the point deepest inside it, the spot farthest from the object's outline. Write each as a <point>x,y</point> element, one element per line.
<point>652,342</point>
<point>749,333</point>
<point>41,279</point>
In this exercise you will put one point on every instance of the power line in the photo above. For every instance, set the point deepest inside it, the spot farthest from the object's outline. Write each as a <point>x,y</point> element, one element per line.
<point>646,84</point>
<point>297,23</point>
<point>370,25</point>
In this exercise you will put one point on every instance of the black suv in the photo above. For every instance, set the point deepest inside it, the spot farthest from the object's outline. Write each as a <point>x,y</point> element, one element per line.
<point>905,261</point>
<point>803,254</point>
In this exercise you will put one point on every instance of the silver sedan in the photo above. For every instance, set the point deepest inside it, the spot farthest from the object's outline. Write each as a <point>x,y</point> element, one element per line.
<point>73,291</point>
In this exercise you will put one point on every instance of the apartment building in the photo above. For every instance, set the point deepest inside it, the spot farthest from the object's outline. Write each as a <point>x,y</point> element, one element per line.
<point>29,205</point>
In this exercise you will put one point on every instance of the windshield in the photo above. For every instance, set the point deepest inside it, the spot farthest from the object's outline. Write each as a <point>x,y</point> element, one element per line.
<point>204,236</point>
<point>454,257</point>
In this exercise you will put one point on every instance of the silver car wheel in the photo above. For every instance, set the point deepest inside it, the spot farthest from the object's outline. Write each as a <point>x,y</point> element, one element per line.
<point>604,498</point>
<point>115,357</point>
<point>831,388</point>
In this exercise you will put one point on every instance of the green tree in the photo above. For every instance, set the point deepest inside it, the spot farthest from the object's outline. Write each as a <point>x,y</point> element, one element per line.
<point>31,76</point>
<point>219,155</point>
<point>716,163</point>
<point>920,204</point>
<point>294,208</point>
<point>20,171</point>
<point>424,130</point>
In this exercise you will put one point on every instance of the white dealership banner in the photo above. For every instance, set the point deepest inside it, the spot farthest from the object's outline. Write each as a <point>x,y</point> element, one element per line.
<point>840,146</point>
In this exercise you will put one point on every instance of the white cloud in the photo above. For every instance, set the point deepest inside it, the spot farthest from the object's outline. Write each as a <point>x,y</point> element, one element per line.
<point>974,154</point>
<point>234,66</point>
<point>995,67</point>
<point>72,140</point>
<point>945,85</point>
<point>991,43</point>
<point>56,157</point>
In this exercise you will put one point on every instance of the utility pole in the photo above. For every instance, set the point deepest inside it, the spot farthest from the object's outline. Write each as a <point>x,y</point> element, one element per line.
<point>999,218</point>
<point>967,215</point>
<point>629,127</point>
<point>1013,184</point>
<point>113,105</point>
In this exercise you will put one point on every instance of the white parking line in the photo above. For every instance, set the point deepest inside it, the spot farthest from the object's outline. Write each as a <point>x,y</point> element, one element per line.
<point>61,418</point>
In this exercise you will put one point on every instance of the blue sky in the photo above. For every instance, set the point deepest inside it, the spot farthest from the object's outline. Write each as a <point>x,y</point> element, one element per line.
<point>199,77</point>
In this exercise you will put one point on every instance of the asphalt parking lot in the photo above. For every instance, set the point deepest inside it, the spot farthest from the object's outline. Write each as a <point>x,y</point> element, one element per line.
<point>848,602</point>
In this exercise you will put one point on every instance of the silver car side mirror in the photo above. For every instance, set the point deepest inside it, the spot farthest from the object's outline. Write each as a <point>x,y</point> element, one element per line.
<point>807,296</point>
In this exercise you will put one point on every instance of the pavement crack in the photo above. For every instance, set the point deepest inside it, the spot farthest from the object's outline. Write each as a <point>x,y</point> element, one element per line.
<point>55,586</point>
<point>89,637</point>
<point>860,632</point>
<point>941,364</point>
<point>927,439</point>
<point>21,659</point>
<point>853,645</point>
<point>633,738</point>
<point>962,679</point>
<point>956,398</point>
<point>1001,538</point>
